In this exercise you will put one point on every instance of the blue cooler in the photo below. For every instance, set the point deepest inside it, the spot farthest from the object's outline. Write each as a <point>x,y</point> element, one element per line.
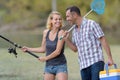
<point>110,74</point>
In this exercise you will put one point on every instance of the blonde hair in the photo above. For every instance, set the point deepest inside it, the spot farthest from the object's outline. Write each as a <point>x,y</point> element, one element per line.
<point>50,17</point>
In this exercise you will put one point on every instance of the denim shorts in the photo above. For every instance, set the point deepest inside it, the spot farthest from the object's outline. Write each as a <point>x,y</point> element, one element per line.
<point>56,69</point>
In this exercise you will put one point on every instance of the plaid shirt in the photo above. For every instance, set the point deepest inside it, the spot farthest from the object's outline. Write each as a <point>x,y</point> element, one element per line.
<point>87,42</point>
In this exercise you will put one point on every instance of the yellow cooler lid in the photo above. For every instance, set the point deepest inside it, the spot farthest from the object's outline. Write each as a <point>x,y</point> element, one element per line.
<point>110,71</point>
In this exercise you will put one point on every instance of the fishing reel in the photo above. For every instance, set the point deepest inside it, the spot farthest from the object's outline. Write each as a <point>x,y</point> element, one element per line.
<point>12,50</point>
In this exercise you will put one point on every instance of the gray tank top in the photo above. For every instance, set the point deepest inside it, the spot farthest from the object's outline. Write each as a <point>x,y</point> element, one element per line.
<point>50,47</point>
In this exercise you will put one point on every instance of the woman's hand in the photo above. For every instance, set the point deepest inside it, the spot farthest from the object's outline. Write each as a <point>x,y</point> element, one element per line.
<point>24,48</point>
<point>42,59</point>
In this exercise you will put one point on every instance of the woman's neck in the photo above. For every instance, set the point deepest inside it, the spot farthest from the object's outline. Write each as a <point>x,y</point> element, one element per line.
<point>53,31</point>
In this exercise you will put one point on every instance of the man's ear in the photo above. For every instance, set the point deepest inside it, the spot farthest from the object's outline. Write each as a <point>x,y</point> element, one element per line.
<point>74,14</point>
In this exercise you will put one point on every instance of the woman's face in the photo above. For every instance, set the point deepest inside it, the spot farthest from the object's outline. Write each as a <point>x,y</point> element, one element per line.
<point>56,21</point>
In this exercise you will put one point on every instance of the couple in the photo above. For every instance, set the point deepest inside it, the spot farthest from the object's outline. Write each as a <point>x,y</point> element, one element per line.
<point>87,38</point>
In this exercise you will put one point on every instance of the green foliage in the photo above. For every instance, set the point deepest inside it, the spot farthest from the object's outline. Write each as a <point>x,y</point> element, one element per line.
<point>17,10</point>
<point>82,4</point>
<point>112,13</point>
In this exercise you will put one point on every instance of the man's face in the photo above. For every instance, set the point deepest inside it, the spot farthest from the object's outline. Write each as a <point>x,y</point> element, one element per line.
<point>69,17</point>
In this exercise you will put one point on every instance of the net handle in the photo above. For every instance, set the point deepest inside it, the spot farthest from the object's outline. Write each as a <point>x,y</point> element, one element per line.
<point>83,17</point>
<point>88,13</point>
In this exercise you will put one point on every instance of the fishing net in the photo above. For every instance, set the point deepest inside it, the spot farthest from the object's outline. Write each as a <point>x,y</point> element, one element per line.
<point>97,6</point>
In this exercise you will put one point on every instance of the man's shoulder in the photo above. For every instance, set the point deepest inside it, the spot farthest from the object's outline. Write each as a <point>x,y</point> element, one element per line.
<point>89,20</point>
<point>92,22</point>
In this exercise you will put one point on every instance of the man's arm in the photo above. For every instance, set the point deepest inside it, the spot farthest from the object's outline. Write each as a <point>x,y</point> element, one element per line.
<point>69,42</point>
<point>107,49</point>
<point>71,45</point>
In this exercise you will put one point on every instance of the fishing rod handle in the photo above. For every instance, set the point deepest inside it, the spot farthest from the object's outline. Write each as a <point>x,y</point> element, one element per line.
<point>32,54</point>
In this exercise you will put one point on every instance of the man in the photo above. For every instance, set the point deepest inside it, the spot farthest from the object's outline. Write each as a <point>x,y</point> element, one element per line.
<point>88,39</point>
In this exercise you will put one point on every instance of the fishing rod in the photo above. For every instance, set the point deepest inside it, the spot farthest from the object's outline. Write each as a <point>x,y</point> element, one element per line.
<point>13,50</point>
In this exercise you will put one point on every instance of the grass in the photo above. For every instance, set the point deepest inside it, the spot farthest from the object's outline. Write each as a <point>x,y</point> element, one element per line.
<point>26,67</point>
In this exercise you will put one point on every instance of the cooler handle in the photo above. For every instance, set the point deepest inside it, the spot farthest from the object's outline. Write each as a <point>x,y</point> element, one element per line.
<point>107,69</point>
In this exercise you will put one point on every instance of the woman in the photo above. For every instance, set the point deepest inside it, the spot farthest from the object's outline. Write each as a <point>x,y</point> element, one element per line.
<point>56,65</point>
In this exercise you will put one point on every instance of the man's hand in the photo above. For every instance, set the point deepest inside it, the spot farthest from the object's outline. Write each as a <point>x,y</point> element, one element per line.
<point>110,62</point>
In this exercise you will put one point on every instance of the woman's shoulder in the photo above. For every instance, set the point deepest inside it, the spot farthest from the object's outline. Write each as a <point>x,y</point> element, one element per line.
<point>45,31</point>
